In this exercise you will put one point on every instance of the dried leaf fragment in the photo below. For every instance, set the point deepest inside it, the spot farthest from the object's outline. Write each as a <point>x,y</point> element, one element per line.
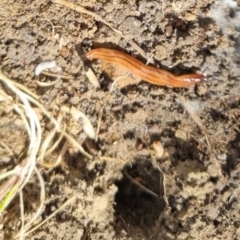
<point>92,78</point>
<point>87,125</point>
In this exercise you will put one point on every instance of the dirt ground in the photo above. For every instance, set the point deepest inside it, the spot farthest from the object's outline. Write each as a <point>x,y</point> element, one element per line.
<point>167,161</point>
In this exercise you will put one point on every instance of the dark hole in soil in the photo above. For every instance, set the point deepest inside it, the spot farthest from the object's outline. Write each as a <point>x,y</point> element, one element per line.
<point>139,200</point>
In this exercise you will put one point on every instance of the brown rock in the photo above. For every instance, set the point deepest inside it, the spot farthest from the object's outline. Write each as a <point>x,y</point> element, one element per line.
<point>64,52</point>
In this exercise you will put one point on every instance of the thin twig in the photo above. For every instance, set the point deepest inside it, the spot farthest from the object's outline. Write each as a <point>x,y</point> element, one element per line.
<point>140,185</point>
<point>99,122</point>
<point>234,193</point>
<point>57,75</point>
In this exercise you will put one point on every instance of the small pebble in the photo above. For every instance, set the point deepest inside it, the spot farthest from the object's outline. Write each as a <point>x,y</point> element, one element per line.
<point>212,170</point>
<point>185,195</point>
<point>220,186</point>
<point>222,157</point>
<point>64,52</point>
<point>190,17</point>
<point>213,212</point>
<point>182,214</point>
<point>144,153</point>
<point>91,166</point>
<point>181,134</point>
<point>5,159</point>
<point>117,108</point>
<point>74,100</point>
<point>171,150</point>
<point>169,30</point>
<point>158,148</point>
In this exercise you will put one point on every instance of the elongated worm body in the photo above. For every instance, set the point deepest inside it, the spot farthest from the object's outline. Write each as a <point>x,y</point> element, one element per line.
<point>148,73</point>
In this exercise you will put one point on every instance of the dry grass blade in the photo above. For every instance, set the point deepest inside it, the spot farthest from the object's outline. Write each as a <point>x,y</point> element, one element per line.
<point>34,131</point>
<point>15,171</point>
<point>8,185</point>
<point>69,201</point>
<point>77,145</point>
<point>22,215</point>
<point>44,150</point>
<point>57,75</point>
<point>54,121</point>
<point>21,174</point>
<point>56,144</point>
<point>18,85</point>
<point>42,200</point>
<point>32,125</point>
<point>4,97</point>
<point>47,84</point>
<point>47,114</point>
<point>236,192</point>
<point>45,145</point>
<point>48,65</point>
<point>59,159</point>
